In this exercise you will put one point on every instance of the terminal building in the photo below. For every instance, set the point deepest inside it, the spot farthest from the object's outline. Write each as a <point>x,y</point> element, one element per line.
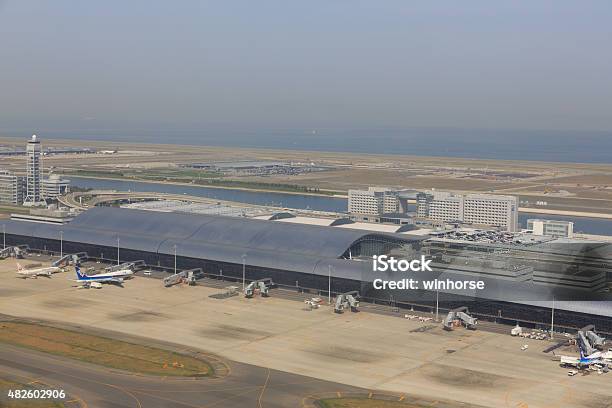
<point>287,253</point>
<point>520,276</point>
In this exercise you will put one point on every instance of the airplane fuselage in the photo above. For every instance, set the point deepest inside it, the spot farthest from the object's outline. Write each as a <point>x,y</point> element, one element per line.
<point>99,278</point>
<point>33,273</point>
<point>124,273</point>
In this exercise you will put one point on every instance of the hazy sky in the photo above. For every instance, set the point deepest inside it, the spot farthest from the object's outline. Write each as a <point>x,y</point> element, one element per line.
<point>140,65</point>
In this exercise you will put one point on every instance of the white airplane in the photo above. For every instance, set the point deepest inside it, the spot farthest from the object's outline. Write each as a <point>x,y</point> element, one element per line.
<point>95,281</point>
<point>122,273</point>
<point>34,273</point>
<point>601,358</point>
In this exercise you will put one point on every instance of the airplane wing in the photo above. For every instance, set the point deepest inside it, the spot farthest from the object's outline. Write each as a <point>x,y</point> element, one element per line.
<point>44,273</point>
<point>570,360</point>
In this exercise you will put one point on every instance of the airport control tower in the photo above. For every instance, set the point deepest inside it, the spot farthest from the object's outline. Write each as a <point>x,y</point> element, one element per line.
<point>34,173</point>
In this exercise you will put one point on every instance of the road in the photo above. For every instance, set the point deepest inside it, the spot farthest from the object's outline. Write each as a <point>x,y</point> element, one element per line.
<point>72,200</point>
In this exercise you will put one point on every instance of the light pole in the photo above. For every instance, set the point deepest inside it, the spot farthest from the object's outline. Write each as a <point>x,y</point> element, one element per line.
<point>243,270</point>
<point>175,259</point>
<point>117,250</point>
<point>3,236</point>
<point>437,296</point>
<point>552,319</point>
<point>329,284</point>
<point>61,244</point>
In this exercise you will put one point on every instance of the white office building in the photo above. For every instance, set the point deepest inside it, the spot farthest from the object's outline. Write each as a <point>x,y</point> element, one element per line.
<point>55,186</point>
<point>11,187</point>
<point>476,209</point>
<point>487,209</point>
<point>553,228</point>
<point>34,194</point>
<point>371,204</point>
<point>445,207</point>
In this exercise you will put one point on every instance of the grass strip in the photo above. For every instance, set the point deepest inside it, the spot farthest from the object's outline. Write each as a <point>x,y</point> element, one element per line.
<point>103,351</point>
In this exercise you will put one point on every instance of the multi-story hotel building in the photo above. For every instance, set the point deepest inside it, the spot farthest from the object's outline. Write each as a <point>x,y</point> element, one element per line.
<point>477,209</point>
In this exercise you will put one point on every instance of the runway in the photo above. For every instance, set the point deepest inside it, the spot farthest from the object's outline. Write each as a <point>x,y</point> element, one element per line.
<point>90,386</point>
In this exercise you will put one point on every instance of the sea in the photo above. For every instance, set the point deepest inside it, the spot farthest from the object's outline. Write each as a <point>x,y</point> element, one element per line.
<point>539,145</point>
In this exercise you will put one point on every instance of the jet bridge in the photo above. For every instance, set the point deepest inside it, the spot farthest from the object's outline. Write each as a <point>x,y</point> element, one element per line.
<point>461,315</point>
<point>70,259</point>
<point>589,341</point>
<point>188,277</point>
<point>261,285</point>
<point>347,300</point>
<point>595,340</point>
<point>15,251</point>
<point>133,265</point>
<point>6,252</point>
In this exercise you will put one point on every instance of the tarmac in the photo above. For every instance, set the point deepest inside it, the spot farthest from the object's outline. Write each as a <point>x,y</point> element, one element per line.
<point>89,386</point>
<point>374,352</point>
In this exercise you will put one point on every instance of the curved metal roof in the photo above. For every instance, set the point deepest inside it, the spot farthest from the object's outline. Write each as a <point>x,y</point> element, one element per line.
<point>269,244</point>
<point>219,230</point>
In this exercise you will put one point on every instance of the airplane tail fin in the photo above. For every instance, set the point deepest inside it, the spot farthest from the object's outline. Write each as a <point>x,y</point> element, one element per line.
<point>79,274</point>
